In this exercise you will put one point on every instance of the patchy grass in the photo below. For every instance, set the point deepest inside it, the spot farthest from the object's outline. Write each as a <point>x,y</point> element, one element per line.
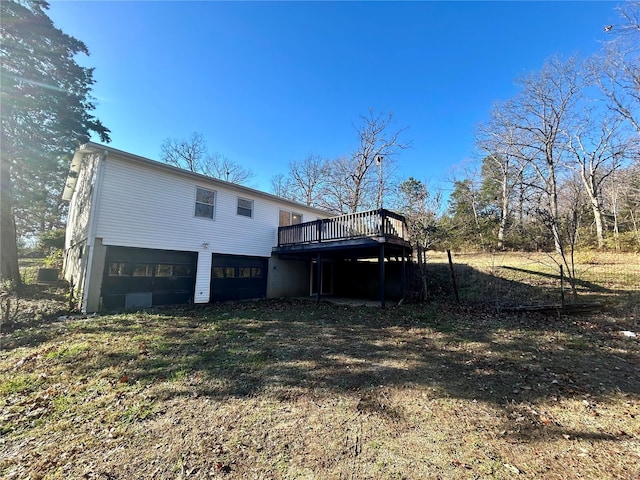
<point>280,389</point>
<point>512,278</point>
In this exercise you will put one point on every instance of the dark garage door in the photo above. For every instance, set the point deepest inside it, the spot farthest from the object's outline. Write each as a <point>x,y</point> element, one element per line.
<point>236,277</point>
<point>141,277</point>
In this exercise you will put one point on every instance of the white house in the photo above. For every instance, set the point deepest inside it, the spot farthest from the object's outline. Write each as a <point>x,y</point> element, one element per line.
<point>144,233</point>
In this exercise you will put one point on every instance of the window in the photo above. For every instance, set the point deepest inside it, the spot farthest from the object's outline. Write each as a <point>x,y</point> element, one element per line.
<point>285,219</point>
<point>230,272</point>
<point>182,270</point>
<point>205,201</point>
<point>256,272</point>
<point>218,272</point>
<point>289,218</point>
<point>245,272</point>
<point>118,269</point>
<point>161,270</point>
<point>164,270</point>
<point>142,270</point>
<point>245,207</point>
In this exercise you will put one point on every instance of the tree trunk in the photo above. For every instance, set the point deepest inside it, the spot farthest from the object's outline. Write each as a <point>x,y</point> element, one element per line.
<point>635,225</point>
<point>552,188</point>
<point>614,209</point>
<point>505,211</point>
<point>589,181</point>
<point>8,245</point>
<point>476,220</point>
<point>597,215</point>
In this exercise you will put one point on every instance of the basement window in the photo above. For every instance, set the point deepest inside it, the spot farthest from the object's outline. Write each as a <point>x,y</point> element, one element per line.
<point>164,270</point>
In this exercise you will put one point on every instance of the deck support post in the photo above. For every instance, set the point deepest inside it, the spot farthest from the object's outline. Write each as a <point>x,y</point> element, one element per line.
<point>319,278</point>
<point>403,282</point>
<point>381,265</point>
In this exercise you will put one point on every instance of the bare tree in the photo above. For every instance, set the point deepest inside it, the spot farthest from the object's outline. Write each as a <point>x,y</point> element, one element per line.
<point>360,181</point>
<point>497,139</point>
<point>192,154</point>
<point>539,115</point>
<point>308,178</point>
<point>420,208</point>
<point>188,154</point>
<point>340,193</point>
<point>281,186</point>
<point>221,167</point>
<point>571,200</point>
<point>628,192</point>
<point>597,151</point>
<point>617,69</point>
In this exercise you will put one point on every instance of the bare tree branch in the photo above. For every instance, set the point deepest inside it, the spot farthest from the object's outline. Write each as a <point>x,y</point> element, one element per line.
<point>192,154</point>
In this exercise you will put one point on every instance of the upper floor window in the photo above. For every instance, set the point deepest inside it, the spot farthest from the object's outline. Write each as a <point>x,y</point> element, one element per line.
<point>289,218</point>
<point>205,202</point>
<point>245,207</point>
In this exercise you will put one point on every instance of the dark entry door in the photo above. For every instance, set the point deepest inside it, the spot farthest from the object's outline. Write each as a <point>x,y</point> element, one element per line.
<point>326,277</point>
<point>141,277</point>
<point>237,277</point>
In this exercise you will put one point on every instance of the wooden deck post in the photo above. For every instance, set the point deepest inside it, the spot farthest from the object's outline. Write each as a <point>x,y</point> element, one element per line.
<point>381,265</point>
<point>403,282</point>
<point>319,278</point>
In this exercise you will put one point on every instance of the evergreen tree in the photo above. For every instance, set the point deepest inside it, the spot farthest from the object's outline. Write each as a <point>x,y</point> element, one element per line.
<point>45,115</point>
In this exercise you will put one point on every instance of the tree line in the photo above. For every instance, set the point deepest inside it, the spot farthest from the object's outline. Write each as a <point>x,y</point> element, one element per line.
<point>560,162</point>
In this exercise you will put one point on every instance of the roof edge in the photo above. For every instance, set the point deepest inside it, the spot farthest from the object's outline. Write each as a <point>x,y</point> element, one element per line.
<point>92,147</point>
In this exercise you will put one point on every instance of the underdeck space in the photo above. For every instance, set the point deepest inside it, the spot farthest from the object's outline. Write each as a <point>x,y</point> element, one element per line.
<point>362,255</point>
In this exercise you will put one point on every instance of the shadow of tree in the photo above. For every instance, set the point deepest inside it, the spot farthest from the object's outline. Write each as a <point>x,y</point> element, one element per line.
<point>285,348</point>
<point>279,348</point>
<point>589,286</point>
<point>527,286</point>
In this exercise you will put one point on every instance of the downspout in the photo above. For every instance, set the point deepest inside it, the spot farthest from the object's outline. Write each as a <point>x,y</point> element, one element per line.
<point>92,231</point>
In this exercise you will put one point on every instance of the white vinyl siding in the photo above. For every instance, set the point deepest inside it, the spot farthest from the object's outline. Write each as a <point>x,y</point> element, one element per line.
<point>163,216</point>
<point>203,278</point>
<point>80,204</point>
<point>77,242</point>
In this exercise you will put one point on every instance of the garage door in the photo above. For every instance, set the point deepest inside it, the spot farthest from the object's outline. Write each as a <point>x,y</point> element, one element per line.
<point>235,277</point>
<point>141,277</point>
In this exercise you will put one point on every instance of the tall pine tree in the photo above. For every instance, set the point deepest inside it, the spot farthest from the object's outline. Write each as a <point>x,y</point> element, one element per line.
<point>45,115</point>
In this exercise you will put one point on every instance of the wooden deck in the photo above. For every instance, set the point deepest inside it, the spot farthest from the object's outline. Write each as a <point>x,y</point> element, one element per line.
<point>353,229</point>
<point>379,235</point>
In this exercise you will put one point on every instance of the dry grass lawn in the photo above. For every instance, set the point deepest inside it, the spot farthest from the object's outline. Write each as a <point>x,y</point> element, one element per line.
<point>295,389</point>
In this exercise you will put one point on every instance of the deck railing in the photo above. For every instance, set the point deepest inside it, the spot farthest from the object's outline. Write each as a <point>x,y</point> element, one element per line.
<point>374,223</point>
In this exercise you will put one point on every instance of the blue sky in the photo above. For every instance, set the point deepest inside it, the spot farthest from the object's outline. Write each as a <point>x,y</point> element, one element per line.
<point>267,83</point>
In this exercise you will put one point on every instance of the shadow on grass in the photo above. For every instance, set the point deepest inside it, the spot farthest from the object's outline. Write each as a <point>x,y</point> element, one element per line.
<point>283,347</point>
<point>461,353</point>
<point>583,284</point>
<point>530,287</point>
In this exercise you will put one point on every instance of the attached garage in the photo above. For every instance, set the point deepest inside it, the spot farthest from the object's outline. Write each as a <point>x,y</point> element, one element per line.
<point>141,277</point>
<point>237,277</point>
